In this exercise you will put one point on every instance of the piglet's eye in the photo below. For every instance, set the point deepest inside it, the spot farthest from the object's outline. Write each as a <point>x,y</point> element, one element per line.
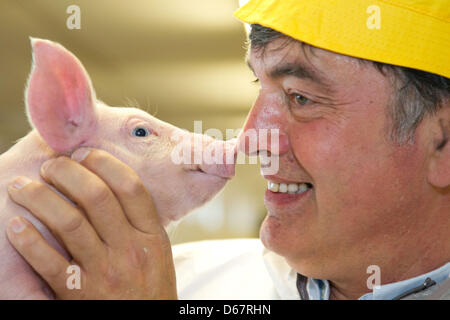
<point>140,132</point>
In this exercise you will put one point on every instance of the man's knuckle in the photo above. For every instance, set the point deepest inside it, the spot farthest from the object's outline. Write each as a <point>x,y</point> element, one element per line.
<point>72,223</point>
<point>97,157</point>
<point>29,242</point>
<point>51,271</point>
<point>112,278</point>
<point>132,187</point>
<point>98,195</point>
<point>136,256</point>
<point>37,191</point>
<point>57,165</point>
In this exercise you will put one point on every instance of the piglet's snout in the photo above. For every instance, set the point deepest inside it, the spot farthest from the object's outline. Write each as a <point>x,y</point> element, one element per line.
<point>217,158</point>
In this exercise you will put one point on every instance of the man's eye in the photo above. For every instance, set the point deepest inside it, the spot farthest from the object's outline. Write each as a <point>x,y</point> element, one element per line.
<point>300,100</point>
<point>140,132</point>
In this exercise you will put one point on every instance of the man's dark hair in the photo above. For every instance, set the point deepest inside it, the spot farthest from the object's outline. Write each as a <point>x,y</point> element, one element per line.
<point>418,93</point>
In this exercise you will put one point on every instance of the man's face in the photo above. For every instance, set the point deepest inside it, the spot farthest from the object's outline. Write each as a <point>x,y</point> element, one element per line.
<point>332,116</point>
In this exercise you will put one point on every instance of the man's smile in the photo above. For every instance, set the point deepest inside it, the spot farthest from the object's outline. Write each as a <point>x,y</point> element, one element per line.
<point>291,188</point>
<point>281,192</point>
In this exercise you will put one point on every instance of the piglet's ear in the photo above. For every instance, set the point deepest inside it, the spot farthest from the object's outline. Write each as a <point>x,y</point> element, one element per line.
<point>59,97</point>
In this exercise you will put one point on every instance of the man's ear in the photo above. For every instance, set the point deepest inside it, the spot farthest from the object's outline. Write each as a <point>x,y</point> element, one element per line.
<point>439,165</point>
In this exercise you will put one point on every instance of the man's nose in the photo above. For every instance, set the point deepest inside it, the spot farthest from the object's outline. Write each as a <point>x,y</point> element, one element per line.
<point>264,130</point>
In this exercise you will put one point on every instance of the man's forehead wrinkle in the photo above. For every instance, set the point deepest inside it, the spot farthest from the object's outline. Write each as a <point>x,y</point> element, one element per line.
<point>292,61</point>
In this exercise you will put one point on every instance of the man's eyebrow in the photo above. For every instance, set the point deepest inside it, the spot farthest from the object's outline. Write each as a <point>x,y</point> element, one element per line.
<point>298,70</point>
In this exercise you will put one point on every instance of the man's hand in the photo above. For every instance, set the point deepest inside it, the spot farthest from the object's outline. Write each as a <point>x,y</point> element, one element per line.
<point>114,234</point>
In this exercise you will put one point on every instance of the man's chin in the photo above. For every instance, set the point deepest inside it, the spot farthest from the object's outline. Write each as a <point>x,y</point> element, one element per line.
<point>279,238</point>
<point>271,235</point>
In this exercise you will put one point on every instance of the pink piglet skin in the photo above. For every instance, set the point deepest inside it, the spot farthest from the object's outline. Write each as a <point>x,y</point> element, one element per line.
<point>65,114</point>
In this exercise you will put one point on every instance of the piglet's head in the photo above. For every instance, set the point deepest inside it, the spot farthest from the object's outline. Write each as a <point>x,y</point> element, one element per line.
<point>62,107</point>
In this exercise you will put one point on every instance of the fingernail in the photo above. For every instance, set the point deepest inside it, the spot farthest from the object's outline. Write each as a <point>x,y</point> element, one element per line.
<point>80,154</point>
<point>20,182</point>
<point>16,225</point>
<point>45,165</point>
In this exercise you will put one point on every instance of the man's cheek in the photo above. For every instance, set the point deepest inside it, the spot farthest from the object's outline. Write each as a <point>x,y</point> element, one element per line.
<point>345,174</point>
<point>318,148</point>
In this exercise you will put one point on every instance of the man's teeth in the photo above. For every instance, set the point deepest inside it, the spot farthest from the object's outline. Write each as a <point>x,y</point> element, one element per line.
<point>288,187</point>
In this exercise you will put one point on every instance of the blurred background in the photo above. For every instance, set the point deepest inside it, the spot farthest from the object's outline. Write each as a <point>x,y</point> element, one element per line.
<point>178,60</point>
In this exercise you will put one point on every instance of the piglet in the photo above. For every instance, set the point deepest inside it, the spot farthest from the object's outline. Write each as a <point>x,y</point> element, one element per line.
<point>64,113</point>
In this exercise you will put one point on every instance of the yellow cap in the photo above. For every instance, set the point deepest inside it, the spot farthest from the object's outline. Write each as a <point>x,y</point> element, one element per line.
<point>408,33</point>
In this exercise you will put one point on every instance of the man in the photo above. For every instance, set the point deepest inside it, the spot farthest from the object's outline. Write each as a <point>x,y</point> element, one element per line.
<point>360,94</point>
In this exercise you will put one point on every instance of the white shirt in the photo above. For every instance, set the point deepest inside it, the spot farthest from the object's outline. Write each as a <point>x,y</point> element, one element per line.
<point>236,269</point>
